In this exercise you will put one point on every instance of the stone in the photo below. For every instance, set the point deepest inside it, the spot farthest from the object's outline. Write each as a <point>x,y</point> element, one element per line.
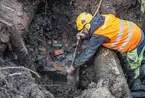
<point>101,92</point>
<point>108,68</point>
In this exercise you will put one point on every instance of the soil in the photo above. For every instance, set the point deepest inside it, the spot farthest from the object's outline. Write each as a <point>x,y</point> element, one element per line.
<point>16,82</point>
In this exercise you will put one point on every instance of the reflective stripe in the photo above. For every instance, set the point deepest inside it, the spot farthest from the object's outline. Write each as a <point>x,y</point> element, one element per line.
<point>103,27</point>
<point>119,35</point>
<point>128,38</point>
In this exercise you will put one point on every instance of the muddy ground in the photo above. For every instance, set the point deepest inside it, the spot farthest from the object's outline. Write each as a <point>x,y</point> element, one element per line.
<point>53,28</point>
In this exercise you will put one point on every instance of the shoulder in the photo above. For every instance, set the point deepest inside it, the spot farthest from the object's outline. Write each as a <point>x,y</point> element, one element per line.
<point>97,19</point>
<point>96,22</point>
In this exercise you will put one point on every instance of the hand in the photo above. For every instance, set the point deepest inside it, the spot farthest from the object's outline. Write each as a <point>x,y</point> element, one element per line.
<point>70,70</point>
<point>80,35</point>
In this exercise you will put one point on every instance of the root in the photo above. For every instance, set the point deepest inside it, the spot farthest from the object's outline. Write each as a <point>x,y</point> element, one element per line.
<point>21,67</point>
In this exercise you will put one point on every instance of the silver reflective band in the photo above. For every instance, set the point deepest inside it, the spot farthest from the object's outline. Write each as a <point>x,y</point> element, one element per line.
<point>128,38</point>
<point>119,35</point>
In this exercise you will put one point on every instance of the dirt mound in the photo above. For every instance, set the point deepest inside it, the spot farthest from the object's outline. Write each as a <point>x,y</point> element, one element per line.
<point>97,93</point>
<point>16,82</point>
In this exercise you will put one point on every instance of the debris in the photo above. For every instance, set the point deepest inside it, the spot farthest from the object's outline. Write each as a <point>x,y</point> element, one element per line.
<point>21,67</point>
<point>59,67</point>
<point>138,94</point>
<point>103,64</point>
<point>92,85</point>
<point>101,92</point>
<point>42,49</point>
<point>2,47</point>
<point>40,57</point>
<point>19,83</point>
<point>61,57</point>
<point>4,35</point>
<point>57,45</point>
<point>58,52</point>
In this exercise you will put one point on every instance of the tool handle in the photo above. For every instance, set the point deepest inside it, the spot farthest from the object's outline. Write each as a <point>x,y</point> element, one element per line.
<point>74,55</point>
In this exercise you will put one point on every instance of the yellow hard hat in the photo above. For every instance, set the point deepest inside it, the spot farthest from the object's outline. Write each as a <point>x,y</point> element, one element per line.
<point>83,19</point>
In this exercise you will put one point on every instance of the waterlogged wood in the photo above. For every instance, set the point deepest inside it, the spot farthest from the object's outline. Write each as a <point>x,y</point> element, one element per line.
<point>18,13</point>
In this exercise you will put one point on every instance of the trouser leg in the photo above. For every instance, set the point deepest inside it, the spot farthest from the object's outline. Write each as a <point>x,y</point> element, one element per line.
<point>142,69</point>
<point>134,67</point>
<point>138,90</point>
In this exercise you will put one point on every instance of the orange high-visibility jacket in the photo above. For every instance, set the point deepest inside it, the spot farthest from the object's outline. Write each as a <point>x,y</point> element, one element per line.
<point>124,35</point>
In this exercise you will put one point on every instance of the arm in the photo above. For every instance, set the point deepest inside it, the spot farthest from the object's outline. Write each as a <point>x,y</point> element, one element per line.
<point>87,54</point>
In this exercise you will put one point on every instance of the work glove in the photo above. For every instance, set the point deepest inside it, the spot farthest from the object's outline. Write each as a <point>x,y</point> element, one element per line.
<point>70,70</point>
<point>80,35</point>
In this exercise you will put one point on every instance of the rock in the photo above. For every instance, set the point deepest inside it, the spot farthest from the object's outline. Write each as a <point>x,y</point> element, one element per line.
<point>101,92</point>
<point>92,85</point>
<point>142,2</point>
<point>2,47</point>
<point>108,68</point>
<point>42,49</point>
<point>4,35</point>
<point>61,57</point>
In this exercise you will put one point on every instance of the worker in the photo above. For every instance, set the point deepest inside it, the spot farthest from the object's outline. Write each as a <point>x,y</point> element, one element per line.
<point>113,33</point>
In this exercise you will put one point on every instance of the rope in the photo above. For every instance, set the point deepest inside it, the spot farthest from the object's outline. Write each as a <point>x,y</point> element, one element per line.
<point>98,8</point>
<point>74,55</point>
<point>21,67</point>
